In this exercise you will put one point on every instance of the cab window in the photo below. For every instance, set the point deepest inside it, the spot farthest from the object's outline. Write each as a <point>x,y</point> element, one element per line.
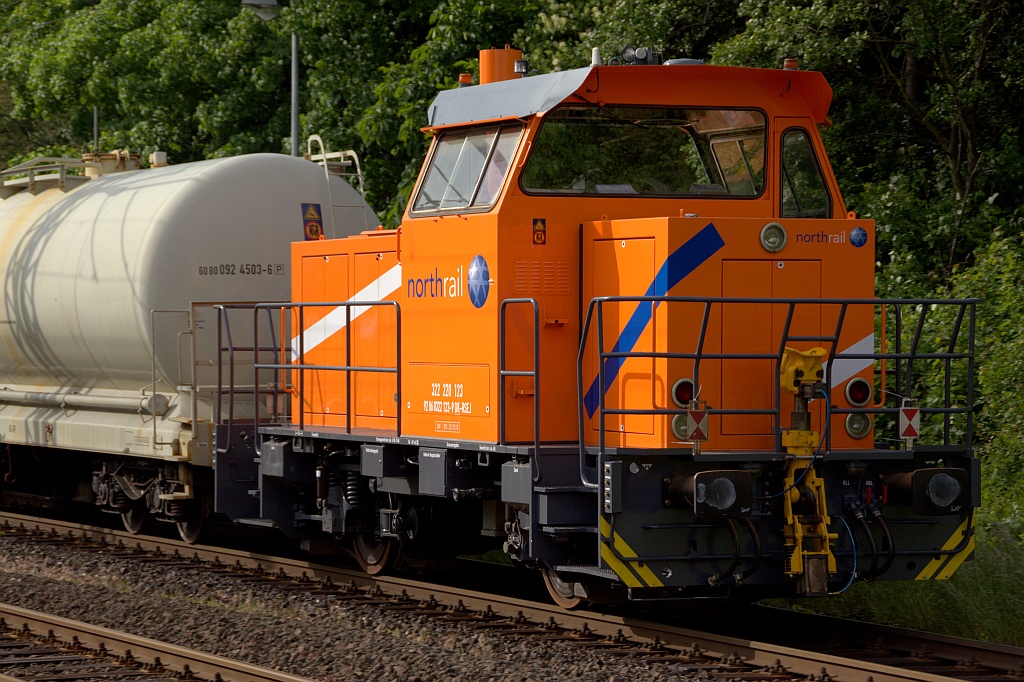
<point>648,151</point>
<point>467,169</point>
<point>804,194</point>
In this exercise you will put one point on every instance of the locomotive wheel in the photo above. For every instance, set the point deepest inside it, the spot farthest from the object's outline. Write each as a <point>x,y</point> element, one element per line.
<point>194,525</point>
<point>134,519</point>
<point>561,591</point>
<point>376,555</point>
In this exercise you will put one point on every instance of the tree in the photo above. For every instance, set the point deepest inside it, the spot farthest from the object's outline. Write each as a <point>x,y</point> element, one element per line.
<point>195,79</point>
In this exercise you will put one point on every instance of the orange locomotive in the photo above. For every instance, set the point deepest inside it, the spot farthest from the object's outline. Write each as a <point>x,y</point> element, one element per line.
<point>625,331</point>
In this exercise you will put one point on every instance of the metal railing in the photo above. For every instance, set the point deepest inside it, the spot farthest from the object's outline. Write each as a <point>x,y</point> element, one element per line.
<point>297,349</point>
<point>227,346</point>
<point>903,364</point>
<point>534,374</point>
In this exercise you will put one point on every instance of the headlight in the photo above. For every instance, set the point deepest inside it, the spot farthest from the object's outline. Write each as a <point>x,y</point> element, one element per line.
<point>773,237</point>
<point>858,425</point>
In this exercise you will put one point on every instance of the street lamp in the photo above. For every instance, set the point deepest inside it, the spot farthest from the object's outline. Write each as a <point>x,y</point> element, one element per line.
<point>267,10</point>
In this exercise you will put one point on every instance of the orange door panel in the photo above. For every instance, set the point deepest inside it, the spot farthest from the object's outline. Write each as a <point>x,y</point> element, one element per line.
<point>323,279</point>
<point>366,339</point>
<point>747,328</point>
<point>625,267</point>
<point>759,328</point>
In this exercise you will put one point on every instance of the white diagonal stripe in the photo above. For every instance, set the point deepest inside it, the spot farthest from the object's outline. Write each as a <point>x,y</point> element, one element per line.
<point>843,369</point>
<point>334,321</point>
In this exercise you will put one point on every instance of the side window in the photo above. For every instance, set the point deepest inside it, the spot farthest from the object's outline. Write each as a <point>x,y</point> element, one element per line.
<point>804,194</point>
<point>467,169</point>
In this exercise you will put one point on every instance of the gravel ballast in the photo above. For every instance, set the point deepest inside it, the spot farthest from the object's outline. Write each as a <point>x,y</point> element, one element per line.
<point>307,635</point>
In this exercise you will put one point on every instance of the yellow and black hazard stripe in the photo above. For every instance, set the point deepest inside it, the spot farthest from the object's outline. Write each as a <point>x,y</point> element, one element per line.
<point>618,556</point>
<point>946,564</point>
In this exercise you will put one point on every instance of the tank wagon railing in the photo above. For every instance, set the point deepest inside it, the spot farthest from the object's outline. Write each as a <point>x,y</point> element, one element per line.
<point>903,364</point>
<point>40,173</point>
<point>534,373</point>
<point>293,354</point>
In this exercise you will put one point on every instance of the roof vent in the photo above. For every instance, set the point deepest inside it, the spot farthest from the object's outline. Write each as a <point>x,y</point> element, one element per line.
<point>499,65</point>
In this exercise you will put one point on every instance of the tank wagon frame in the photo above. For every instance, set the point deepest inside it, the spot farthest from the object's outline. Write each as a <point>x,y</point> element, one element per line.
<point>627,331</point>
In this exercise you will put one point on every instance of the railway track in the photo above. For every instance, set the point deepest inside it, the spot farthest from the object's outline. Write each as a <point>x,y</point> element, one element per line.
<point>38,647</point>
<point>878,654</point>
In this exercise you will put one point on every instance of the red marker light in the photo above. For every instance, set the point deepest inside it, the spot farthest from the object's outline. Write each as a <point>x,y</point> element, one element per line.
<point>682,392</point>
<point>859,392</point>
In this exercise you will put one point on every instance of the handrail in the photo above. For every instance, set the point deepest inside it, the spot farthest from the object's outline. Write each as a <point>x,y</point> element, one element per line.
<point>535,373</point>
<point>297,348</point>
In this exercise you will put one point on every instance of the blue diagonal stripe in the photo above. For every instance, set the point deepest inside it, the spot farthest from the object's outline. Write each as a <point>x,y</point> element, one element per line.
<point>680,263</point>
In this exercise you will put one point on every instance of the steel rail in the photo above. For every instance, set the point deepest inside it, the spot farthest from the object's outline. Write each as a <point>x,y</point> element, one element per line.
<point>142,649</point>
<point>717,646</point>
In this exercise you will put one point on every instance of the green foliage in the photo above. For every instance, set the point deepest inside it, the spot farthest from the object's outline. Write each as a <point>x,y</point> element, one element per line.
<point>985,595</point>
<point>190,78</point>
<point>998,278</point>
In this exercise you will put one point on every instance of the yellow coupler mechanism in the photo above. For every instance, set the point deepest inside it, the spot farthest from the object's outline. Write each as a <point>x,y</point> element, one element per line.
<point>811,561</point>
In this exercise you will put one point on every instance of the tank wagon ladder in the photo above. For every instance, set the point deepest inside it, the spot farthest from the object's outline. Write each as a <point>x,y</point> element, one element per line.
<point>903,369</point>
<point>340,164</point>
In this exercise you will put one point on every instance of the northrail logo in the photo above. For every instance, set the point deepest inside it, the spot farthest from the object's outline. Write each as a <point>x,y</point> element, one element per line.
<point>453,283</point>
<point>479,281</point>
<point>858,236</point>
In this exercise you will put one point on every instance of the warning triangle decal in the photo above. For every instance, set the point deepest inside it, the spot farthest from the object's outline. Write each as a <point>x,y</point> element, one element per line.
<point>311,213</point>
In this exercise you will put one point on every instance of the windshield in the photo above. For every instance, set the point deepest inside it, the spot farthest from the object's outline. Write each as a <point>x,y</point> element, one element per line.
<point>586,150</point>
<point>467,168</point>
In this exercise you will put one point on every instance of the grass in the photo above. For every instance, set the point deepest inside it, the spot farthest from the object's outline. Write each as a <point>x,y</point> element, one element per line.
<point>984,600</point>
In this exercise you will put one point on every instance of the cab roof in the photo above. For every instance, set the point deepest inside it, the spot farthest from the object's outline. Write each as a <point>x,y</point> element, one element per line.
<point>777,91</point>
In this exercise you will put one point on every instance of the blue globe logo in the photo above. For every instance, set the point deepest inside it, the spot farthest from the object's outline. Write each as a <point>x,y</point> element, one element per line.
<point>479,281</point>
<point>858,237</point>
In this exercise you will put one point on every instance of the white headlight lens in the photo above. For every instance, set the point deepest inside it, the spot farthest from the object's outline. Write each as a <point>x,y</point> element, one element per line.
<point>773,237</point>
<point>858,425</point>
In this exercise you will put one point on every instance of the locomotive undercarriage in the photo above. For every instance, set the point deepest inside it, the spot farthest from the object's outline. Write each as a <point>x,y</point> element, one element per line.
<point>386,500</point>
<point>373,499</point>
<point>550,526</point>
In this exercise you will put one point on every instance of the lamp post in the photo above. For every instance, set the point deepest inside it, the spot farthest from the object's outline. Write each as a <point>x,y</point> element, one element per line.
<point>267,10</point>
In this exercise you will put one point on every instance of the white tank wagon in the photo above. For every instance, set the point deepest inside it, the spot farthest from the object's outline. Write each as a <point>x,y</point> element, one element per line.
<point>106,345</point>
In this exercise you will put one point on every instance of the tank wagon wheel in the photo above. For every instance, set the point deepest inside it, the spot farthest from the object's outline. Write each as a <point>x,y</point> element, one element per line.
<point>134,518</point>
<point>376,555</point>
<point>560,590</point>
<point>196,521</point>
